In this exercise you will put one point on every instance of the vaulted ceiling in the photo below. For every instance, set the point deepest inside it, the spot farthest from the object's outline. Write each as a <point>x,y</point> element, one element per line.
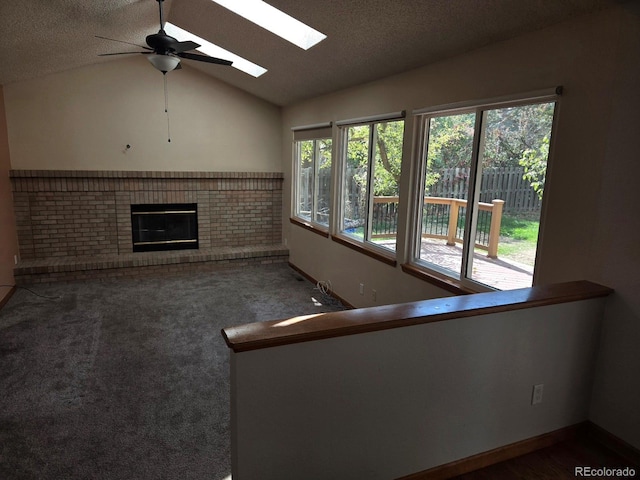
<point>366,39</point>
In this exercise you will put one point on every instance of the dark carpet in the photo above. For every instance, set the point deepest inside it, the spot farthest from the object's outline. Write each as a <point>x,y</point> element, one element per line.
<point>128,379</point>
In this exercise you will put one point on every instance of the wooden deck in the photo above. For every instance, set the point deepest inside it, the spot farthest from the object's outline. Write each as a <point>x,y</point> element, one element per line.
<point>500,273</point>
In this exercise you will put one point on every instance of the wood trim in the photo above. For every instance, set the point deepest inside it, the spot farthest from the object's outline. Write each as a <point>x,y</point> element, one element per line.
<point>447,284</point>
<point>259,335</point>
<point>610,441</point>
<point>517,449</point>
<point>313,280</point>
<point>308,226</point>
<point>362,249</point>
<point>7,297</point>
<point>497,455</point>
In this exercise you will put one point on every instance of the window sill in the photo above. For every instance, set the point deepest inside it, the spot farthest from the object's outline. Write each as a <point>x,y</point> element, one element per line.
<point>448,284</point>
<point>355,245</point>
<point>309,226</point>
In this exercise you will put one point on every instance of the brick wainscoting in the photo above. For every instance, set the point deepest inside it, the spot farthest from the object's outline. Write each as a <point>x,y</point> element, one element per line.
<point>77,224</point>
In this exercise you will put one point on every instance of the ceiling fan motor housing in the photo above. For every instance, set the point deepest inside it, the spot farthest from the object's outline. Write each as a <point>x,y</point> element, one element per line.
<point>161,43</point>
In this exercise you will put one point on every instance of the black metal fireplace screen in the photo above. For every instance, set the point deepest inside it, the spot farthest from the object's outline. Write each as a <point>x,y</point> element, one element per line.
<point>172,226</point>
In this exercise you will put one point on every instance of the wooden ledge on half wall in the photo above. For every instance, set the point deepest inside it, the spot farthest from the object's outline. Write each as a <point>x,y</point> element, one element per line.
<point>260,335</point>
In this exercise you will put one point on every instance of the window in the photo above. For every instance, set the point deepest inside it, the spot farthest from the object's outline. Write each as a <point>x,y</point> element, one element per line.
<point>275,21</point>
<point>372,155</point>
<point>482,182</point>
<point>312,152</point>
<point>213,50</point>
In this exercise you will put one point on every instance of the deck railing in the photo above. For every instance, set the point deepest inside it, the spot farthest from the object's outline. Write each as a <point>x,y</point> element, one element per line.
<point>443,222</point>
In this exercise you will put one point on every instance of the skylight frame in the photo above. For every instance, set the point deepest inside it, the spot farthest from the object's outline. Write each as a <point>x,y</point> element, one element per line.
<point>213,50</point>
<point>275,21</point>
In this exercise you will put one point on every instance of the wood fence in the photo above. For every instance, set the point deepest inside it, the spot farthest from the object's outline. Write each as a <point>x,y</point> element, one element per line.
<point>506,183</point>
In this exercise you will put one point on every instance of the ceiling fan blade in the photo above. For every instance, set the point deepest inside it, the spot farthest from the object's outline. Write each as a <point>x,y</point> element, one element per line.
<point>180,47</point>
<point>122,41</point>
<point>204,58</point>
<point>121,53</point>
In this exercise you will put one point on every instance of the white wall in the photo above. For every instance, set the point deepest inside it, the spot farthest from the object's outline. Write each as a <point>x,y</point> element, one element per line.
<point>82,120</point>
<point>395,402</point>
<point>325,260</point>
<point>590,228</point>
<point>615,258</point>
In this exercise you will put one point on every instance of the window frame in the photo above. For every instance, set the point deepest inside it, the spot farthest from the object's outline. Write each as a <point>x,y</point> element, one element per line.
<point>364,246</point>
<point>315,133</point>
<point>423,269</point>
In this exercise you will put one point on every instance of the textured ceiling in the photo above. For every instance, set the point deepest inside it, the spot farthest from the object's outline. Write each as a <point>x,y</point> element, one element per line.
<point>366,39</point>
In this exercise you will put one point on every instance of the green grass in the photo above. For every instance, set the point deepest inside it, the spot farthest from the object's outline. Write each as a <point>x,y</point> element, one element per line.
<point>518,239</point>
<point>520,229</point>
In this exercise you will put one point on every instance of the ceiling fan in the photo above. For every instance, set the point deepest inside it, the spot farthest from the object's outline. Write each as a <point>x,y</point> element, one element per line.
<point>164,52</point>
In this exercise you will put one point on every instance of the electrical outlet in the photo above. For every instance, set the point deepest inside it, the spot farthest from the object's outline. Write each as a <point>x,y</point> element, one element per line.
<point>374,295</point>
<point>285,242</point>
<point>536,397</point>
<point>362,289</point>
<point>15,259</point>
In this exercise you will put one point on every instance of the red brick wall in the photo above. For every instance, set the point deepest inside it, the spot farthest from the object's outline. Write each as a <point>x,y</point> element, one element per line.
<point>73,213</point>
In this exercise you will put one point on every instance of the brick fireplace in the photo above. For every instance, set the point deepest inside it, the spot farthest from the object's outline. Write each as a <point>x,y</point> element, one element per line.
<point>66,217</point>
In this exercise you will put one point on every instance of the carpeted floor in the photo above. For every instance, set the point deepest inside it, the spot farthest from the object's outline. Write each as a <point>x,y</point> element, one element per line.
<point>128,379</point>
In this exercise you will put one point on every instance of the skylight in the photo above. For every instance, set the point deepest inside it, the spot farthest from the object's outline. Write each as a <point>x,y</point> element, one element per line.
<point>212,50</point>
<point>275,21</point>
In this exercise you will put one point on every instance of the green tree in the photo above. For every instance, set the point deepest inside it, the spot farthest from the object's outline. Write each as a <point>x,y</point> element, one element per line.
<point>510,132</point>
<point>534,161</point>
<point>450,141</point>
<point>387,156</point>
<point>450,145</point>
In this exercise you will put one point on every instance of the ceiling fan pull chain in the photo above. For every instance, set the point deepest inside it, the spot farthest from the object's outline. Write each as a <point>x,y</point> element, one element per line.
<point>166,94</point>
<point>166,107</point>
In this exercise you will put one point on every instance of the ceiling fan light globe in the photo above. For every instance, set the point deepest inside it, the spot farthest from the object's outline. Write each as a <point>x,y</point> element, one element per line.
<point>164,63</point>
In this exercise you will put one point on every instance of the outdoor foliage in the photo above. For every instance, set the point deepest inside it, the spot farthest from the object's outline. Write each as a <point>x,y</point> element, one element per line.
<point>324,151</point>
<point>306,153</point>
<point>387,155</point>
<point>313,194</point>
<point>516,136</point>
<point>511,132</point>
<point>534,161</point>
<point>450,145</point>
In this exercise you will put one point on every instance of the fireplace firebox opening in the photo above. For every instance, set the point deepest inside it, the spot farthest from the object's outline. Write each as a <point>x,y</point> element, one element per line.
<point>168,226</point>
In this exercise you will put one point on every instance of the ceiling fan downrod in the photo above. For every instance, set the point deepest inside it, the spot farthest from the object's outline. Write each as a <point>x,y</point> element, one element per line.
<point>161,16</point>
